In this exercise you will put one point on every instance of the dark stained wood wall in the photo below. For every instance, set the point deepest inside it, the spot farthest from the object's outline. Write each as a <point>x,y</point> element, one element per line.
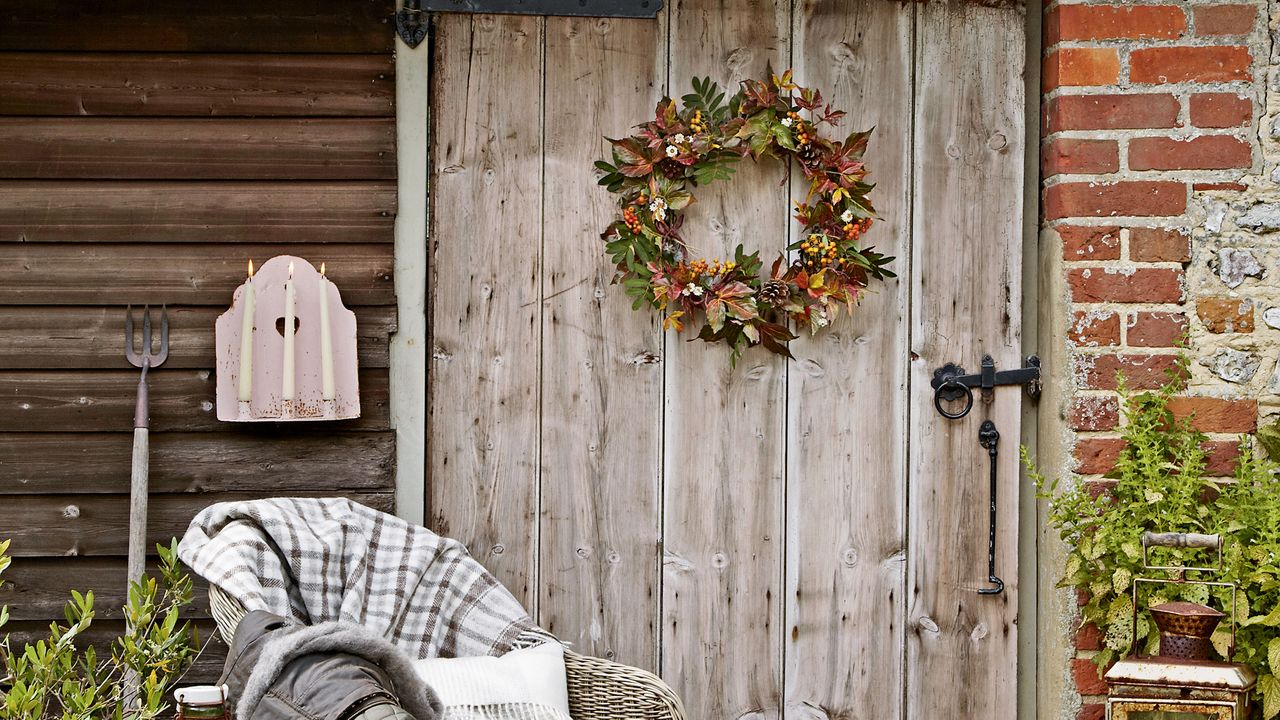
<point>147,150</point>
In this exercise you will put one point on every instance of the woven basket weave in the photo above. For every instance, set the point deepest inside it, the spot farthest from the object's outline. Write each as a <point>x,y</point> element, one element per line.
<point>598,689</point>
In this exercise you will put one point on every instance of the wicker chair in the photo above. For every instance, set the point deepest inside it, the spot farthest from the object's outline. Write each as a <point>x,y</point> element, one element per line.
<point>598,689</point>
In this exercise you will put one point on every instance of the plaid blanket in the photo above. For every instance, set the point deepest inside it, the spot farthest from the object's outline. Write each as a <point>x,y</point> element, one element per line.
<point>322,559</point>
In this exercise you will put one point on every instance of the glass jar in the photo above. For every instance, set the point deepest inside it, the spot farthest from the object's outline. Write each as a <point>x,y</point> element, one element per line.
<point>202,702</point>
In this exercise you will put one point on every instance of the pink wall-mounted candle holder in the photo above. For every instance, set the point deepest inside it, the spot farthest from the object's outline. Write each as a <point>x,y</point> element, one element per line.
<point>263,400</point>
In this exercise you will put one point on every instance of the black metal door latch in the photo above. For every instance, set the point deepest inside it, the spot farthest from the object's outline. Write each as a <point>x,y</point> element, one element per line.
<point>989,438</point>
<point>950,383</point>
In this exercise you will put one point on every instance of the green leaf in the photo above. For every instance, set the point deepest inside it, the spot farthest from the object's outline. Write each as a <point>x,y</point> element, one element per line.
<point>1269,688</point>
<point>1121,579</point>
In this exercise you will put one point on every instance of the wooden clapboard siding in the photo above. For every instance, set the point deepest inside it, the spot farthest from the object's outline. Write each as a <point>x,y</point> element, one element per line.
<point>47,337</point>
<point>969,133</point>
<point>846,468</point>
<point>723,536</point>
<point>181,401</point>
<point>148,151</point>
<point>38,588</point>
<point>234,26</point>
<point>160,85</point>
<point>820,531</point>
<point>199,212</point>
<point>198,149</point>
<point>98,524</point>
<point>485,280</point>
<point>117,274</point>
<point>196,462</point>
<point>602,411</point>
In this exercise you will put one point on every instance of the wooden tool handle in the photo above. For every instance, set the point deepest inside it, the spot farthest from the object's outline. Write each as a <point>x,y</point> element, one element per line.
<point>1181,540</point>
<point>138,504</point>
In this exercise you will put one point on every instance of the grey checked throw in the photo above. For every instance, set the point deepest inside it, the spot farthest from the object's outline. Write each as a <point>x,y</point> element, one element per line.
<point>322,559</point>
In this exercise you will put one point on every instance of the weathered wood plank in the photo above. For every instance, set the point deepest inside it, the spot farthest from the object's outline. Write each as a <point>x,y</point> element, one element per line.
<point>181,401</point>
<point>206,669</point>
<point>38,588</point>
<point>970,125</point>
<point>722,593</point>
<point>486,240</point>
<point>91,338</point>
<point>602,411</point>
<point>91,525</point>
<point>198,149</point>
<point>243,461</point>
<point>846,419</point>
<point>189,274</point>
<point>197,85</point>
<point>287,26</point>
<point>221,212</point>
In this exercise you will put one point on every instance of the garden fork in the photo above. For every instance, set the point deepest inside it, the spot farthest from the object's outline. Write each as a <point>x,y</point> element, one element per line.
<point>145,359</point>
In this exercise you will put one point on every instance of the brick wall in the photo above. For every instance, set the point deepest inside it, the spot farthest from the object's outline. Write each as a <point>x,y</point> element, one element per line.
<point>1154,163</point>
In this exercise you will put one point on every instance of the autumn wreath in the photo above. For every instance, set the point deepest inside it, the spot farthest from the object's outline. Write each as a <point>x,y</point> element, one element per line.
<point>654,171</point>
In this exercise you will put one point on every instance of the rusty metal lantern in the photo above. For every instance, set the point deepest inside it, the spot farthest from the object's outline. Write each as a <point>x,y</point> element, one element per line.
<point>1182,681</point>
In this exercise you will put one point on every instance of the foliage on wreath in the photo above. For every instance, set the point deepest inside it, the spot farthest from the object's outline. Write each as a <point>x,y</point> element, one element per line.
<point>654,171</point>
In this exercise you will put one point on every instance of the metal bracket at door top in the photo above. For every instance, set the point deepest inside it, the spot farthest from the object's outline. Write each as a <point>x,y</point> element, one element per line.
<point>950,383</point>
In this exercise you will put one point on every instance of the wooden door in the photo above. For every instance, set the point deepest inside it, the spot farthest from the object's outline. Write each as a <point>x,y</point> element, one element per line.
<point>799,539</point>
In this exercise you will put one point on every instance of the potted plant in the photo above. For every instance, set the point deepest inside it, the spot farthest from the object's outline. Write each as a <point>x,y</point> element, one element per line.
<point>57,678</point>
<point>1159,484</point>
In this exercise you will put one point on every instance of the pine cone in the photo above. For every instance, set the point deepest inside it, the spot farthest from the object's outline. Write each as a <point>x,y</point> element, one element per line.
<point>672,169</point>
<point>808,155</point>
<point>774,292</point>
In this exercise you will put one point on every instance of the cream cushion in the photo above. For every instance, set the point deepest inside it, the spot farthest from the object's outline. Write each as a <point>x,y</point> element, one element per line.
<point>524,684</point>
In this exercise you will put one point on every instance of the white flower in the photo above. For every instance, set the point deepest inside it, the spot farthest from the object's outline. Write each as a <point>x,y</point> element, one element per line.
<point>786,122</point>
<point>657,204</point>
<point>847,216</point>
<point>660,214</point>
<point>694,290</point>
<point>678,138</point>
<point>672,151</point>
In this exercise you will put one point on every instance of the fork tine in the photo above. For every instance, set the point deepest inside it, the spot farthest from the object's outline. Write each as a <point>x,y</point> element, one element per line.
<point>163,352</point>
<point>146,330</point>
<point>130,351</point>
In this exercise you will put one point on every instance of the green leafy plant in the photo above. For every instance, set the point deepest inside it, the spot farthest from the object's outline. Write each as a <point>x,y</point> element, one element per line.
<point>56,678</point>
<point>1159,484</point>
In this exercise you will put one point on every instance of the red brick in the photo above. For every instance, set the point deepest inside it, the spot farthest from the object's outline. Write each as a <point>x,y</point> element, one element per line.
<point>1146,198</point>
<point>1111,112</point>
<point>1232,186</point>
<point>1220,110</point>
<point>1141,372</point>
<point>1095,456</point>
<point>1159,245</point>
<point>1069,155</point>
<point>1145,285</point>
<point>1094,413</point>
<point>1208,152</point>
<point>1210,414</point>
<point>1189,64</point>
<point>1092,329</point>
<point>1092,711</point>
<point>1081,66</point>
<point>1087,677</point>
<point>1090,242</point>
<point>1222,458</point>
<point>1114,22</point>
<point>1088,637</point>
<point>1225,315</point>
<point>1225,19</point>
<point>1157,329</point>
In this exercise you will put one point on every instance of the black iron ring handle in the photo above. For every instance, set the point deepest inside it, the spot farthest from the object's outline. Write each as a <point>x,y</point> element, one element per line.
<point>961,387</point>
